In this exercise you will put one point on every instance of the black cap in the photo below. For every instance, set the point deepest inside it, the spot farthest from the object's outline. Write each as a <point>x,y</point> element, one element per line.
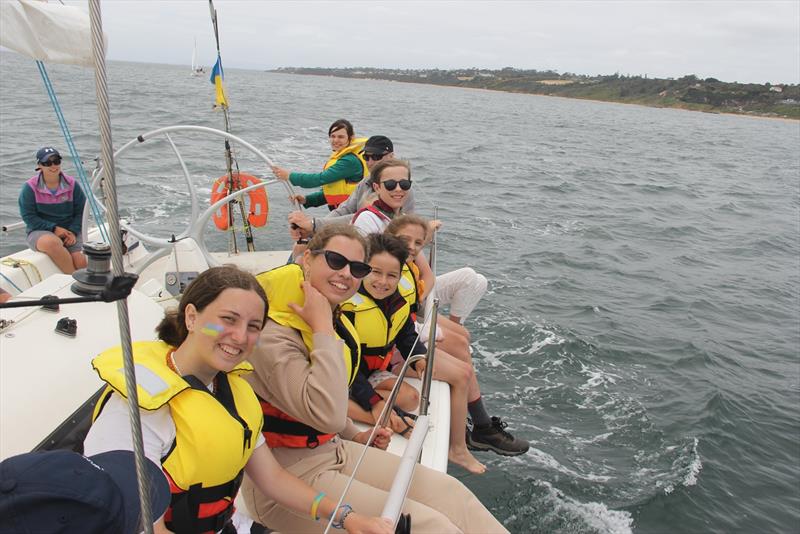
<point>378,144</point>
<point>63,491</point>
<point>45,153</point>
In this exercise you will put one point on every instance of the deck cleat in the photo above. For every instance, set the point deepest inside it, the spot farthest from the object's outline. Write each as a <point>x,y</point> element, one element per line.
<point>52,304</point>
<point>67,327</point>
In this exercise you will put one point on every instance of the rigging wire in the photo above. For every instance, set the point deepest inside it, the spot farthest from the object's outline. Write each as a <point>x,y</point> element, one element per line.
<point>107,155</point>
<point>76,160</point>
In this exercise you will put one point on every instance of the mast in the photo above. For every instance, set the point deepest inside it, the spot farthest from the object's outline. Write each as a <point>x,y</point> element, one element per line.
<point>233,184</point>
<point>194,57</point>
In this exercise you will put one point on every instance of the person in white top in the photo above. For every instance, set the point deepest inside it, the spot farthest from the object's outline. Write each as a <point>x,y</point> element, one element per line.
<point>206,407</point>
<point>391,182</point>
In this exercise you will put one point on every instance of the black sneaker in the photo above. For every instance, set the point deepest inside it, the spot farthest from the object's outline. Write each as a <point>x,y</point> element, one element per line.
<point>495,438</point>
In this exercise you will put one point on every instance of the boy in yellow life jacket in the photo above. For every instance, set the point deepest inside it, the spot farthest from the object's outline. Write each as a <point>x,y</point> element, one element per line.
<point>382,318</point>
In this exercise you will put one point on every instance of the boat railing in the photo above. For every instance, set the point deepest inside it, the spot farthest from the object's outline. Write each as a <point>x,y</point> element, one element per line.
<point>413,451</point>
<point>198,220</point>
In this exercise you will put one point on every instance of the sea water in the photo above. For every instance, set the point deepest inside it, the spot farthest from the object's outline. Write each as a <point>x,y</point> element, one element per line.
<point>642,322</point>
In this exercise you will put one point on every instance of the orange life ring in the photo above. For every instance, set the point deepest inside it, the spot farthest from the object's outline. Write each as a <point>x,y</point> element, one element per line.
<point>257,206</point>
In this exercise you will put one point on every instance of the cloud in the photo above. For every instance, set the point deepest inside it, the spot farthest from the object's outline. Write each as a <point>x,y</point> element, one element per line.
<point>729,40</point>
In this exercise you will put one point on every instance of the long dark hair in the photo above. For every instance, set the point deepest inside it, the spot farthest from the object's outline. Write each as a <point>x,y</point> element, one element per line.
<point>201,292</point>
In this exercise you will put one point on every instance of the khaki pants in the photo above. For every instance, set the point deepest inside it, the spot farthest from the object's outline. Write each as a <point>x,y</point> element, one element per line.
<point>438,503</point>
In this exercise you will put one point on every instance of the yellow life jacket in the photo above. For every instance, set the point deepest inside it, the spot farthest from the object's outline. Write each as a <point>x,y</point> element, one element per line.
<point>282,286</point>
<point>215,434</point>
<point>408,289</point>
<point>412,265</point>
<point>376,330</point>
<point>338,191</point>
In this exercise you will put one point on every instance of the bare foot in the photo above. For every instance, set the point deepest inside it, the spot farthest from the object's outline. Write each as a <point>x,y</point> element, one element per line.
<point>466,460</point>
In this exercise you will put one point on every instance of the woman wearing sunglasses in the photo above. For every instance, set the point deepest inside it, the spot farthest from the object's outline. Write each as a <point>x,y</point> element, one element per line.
<point>305,361</point>
<point>200,420</point>
<point>391,181</point>
<point>51,204</point>
<point>340,175</point>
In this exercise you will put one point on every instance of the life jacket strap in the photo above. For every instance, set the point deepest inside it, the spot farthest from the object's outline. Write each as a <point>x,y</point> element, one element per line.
<point>376,351</point>
<point>281,430</point>
<point>276,425</point>
<point>185,507</point>
<point>352,344</point>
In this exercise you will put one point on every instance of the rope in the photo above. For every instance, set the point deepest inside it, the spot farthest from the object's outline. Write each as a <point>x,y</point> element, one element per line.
<point>73,152</point>
<point>17,264</point>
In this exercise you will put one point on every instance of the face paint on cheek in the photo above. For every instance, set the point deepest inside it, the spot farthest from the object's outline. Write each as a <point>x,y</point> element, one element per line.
<point>212,330</point>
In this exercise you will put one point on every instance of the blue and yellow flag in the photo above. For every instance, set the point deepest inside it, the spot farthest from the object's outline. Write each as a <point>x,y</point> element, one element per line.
<point>216,78</point>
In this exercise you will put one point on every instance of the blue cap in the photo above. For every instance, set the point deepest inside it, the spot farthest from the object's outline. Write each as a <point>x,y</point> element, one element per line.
<point>63,491</point>
<point>45,153</point>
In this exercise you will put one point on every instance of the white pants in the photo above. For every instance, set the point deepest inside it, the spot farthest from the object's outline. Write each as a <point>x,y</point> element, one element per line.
<point>461,290</point>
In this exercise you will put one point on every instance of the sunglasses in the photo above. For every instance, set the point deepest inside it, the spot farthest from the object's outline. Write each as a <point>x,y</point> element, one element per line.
<point>373,157</point>
<point>337,262</point>
<point>391,185</point>
<point>50,163</point>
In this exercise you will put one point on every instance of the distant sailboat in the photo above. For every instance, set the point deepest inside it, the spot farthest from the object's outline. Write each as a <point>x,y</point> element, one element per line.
<point>196,69</point>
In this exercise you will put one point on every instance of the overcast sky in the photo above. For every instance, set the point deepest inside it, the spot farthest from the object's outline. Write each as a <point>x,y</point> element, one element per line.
<point>745,41</point>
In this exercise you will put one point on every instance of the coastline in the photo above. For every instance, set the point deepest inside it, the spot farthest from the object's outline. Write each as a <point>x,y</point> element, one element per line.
<point>681,108</point>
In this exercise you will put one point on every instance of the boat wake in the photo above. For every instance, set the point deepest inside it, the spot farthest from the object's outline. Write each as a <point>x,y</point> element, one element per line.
<point>543,508</point>
<point>598,441</point>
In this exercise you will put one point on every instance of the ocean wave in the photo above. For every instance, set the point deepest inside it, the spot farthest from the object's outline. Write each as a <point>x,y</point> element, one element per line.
<point>686,467</point>
<point>560,228</point>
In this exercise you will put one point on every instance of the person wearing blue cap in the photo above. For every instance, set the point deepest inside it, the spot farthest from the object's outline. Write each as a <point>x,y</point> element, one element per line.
<point>63,491</point>
<point>51,205</point>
